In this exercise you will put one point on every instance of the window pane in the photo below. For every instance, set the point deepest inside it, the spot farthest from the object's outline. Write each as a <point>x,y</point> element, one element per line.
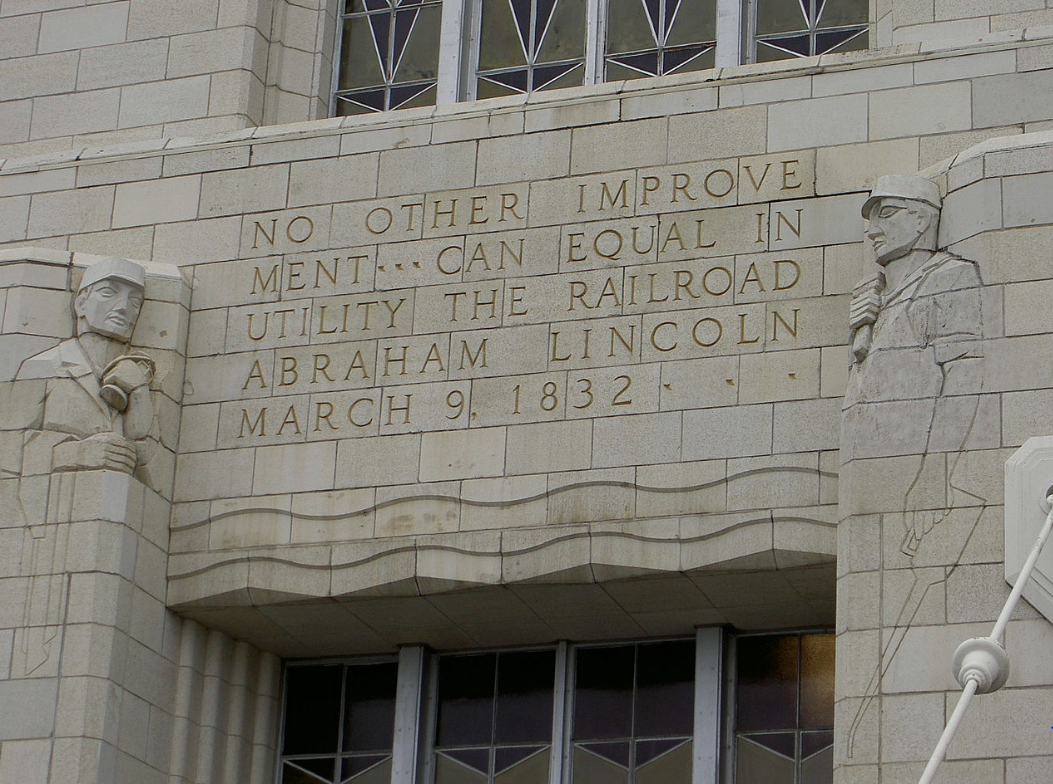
<point>665,686</point>
<point>817,681</point>
<point>532,769</point>
<point>499,39</point>
<point>755,764</point>
<point>592,768</point>
<point>844,12</point>
<point>524,697</point>
<point>695,22</point>
<point>322,770</point>
<point>360,66</point>
<point>603,693</point>
<point>780,16</point>
<point>670,767</point>
<point>766,694</point>
<point>312,709</point>
<point>369,707</point>
<point>563,38</point>
<point>448,771</point>
<point>628,28</point>
<point>466,699</point>
<point>419,58</point>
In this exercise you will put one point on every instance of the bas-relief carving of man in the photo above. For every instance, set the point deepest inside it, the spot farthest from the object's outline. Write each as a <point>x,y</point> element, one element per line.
<point>914,391</point>
<point>917,349</point>
<point>97,411</point>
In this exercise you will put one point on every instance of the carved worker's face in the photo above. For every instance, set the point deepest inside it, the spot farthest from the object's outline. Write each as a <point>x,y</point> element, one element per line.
<point>895,227</point>
<point>109,307</point>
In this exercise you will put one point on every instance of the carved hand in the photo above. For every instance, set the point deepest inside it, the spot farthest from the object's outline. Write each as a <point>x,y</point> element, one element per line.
<point>129,373</point>
<point>101,451</point>
<point>865,306</point>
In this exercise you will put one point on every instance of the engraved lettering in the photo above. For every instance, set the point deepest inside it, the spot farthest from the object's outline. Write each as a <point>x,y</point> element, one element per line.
<point>606,197</point>
<point>270,283</point>
<point>451,270</point>
<point>478,357</point>
<point>259,229</point>
<point>380,223</point>
<point>713,191</point>
<point>777,319</point>
<point>256,372</point>
<point>743,340</point>
<point>261,422</point>
<point>782,220</point>
<point>295,273</point>
<point>405,409</point>
<point>303,233</point>
<point>710,323</point>
<point>795,271</point>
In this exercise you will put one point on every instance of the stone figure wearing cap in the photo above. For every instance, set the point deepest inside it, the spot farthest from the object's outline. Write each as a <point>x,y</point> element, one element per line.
<point>97,410</point>
<point>917,358</point>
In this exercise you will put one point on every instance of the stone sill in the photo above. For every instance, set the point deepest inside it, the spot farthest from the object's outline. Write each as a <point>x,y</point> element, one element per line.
<point>569,97</point>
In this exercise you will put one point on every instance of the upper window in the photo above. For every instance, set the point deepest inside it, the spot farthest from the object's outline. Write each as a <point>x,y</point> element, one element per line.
<point>402,53</point>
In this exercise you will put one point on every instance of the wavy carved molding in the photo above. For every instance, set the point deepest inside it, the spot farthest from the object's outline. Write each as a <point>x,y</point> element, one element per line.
<point>576,552</point>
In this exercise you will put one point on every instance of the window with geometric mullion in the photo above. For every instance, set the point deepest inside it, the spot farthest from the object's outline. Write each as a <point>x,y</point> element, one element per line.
<point>389,55</point>
<point>530,45</point>
<point>659,37</point>
<point>803,28</point>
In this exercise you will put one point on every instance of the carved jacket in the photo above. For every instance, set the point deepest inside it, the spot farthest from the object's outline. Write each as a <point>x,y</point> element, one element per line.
<point>926,348</point>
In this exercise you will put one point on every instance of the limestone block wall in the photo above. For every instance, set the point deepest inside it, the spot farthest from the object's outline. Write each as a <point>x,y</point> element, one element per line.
<point>916,580</point>
<point>98,74</point>
<point>908,21</point>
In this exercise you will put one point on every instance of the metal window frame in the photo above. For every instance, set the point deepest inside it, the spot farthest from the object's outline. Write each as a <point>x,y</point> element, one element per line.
<point>343,661</point>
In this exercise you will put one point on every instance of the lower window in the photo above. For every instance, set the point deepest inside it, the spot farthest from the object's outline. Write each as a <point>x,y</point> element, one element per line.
<point>647,712</point>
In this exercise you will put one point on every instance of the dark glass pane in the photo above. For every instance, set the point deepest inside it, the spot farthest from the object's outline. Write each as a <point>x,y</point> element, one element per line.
<point>405,95</point>
<point>507,757</point>
<point>757,765</point>
<point>824,42</point>
<point>369,707</point>
<point>695,22</point>
<point>487,89</point>
<point>499,43</point>
<point>351,767</point>
<point>371,99</point>
<point>665,689</point>
<point>419,59</point>
<point>603,693</point>
<point>324,768</point>
<point>644,63</point>
<point>294,775</point>
<point>675,59</point>
<point>523,13</point>
<point>857,43</point>
<point>347,108</point>
<point>699,63</point>
<point>628,29</point>
<point>312,709</point>
<point>359,66</point>
<point>532,770</point>
<point>647,750</point>
<point>767,54</point>
<point>811,742</point>
<point>784,743</point>
<point>524,697</point>
<point>479,759</point>
<point>573,78</point>
<point>780,16</point>
<point>794,44</point>
<point>514,79</point>
<point>844,12</point>
<point>466,699</point>
<point>616,72</point>
<point>615,752</point>
<point>546,77</point>
<point>564,37</point>
<point>817,681</point>
<point>766,696</point>
<point>424,98</point>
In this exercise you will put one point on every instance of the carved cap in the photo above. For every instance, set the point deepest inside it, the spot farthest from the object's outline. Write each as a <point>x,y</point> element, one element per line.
<point>113,267</point>
<point>903,186</point>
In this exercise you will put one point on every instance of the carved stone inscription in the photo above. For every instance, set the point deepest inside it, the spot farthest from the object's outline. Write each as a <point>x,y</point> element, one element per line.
<point>513,304</point>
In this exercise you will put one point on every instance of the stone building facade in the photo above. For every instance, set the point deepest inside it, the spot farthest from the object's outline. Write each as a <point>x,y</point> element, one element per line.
<point>538,373</point>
